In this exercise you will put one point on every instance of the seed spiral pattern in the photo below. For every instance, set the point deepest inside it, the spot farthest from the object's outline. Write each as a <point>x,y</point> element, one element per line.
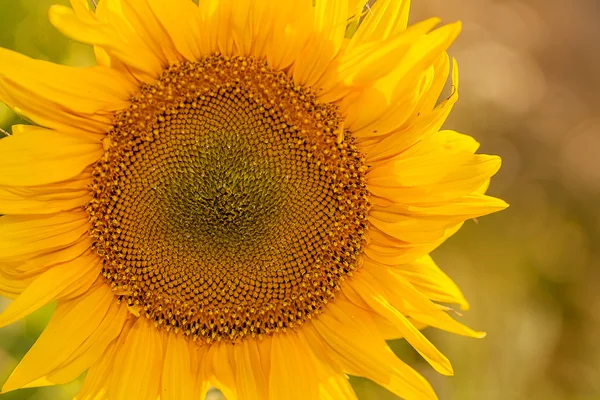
<point>229,202</point>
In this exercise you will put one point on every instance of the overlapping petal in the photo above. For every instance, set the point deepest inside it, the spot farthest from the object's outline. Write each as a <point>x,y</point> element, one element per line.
<point>23,237</point>
<point>35,156</point>
<point>138,364</point>
<point>66,280</point>
<point>46,198</point>
<point>51,95</point>
<point>77,335</point>
<point>361,350</point>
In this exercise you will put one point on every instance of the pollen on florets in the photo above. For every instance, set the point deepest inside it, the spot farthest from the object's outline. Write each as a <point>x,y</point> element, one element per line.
<point>229,202</point>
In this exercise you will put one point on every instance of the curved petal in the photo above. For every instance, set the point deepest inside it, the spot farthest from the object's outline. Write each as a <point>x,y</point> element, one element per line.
<point>438,170</point>
<point>40,263</point>
<point>25,236</point>
<point>46,198</point>
<point>12,288</point>
<point>147,27</point>
<point>114,38</point>
<point>435,187</point>
<point>329,28</point>
<point>51,94</point>
<point>424,223</point>
<point>78,333</point>
<point>289,33</point>
<point>198,363</point>
<point>220,369</point>
<point>408,300</point>
<point>178,19</point>
<point>138,364</point>
<point>363,65</point>
<point>334,387</point>
<point>386,249</point>
<point>15,277</point>
<point>37,156</point>
<point>429,279</point>
<point>379,304</point>
<point>385,19</point>
<point>97,380</point>
<point>394,100</point>
<point>425,193</point>
<point>65,280</point>
<point>422,117</point>
<point>251,378</point>
<point>177,381</point>
<point>291,367</point>
<point>333,382</point>
<point>361,351</point>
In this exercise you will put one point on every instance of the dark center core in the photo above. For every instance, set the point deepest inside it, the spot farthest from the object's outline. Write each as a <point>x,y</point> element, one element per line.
<point>229,201</point>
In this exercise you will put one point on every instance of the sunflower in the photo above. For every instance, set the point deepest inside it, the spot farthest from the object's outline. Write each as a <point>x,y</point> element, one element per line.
<point>240,194</point>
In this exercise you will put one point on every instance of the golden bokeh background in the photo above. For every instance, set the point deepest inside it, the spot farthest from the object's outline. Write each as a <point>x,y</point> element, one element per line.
<point>530,92</point>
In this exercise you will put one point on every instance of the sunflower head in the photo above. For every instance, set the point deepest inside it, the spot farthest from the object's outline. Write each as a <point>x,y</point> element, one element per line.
<point>240,194</point>
<point>229,201</point>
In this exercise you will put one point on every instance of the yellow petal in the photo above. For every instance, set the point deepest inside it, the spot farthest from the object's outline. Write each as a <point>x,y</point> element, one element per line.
<point>198,362</point>
<point>389,251</point>
<point>23,237</point>
<point>37,156</point>
<point>429,279</point>
<point>51,94</point>
<point>46,198</point>
<point>335,387</point>
<point>466,179</point>
<point>177,379</point>
<point>78,333</point>
<point>362,351</point>
<point>12,288</point>
<point>380,305</point>
<point>329,27</point>
<point>462,175</point>
<point>91,351</point>
<point>376,111</point>
<point>15,277</point>
<point>413,303</point>
<point>209,22</point>
<point>138,364</point>
<point>62,281</point>
<point>428,161</point>
<point>252,22</point>
<point>251,379</point>
<point>97,380</point>
<point>291,375</point>
<point>385,19</point>
<point>36,265</point>
<point>363,65</point>
<point>111,32</point>
<point>426,116</point>
<point>178,18</point>
<point>221,369</point>
<point>290,32</point>
<point>147,26</point>
<point>333,382</point>
<point>423,223</point>
<point>232,27</point>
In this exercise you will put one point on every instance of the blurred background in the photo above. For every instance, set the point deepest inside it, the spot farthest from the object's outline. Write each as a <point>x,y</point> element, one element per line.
<point>530,92</point>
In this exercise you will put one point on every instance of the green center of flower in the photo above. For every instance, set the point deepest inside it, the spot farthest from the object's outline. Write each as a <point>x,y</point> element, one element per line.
<point>229,202</point>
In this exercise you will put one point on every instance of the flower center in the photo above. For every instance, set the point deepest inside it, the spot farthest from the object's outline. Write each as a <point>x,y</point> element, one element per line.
<point>229,201</point>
